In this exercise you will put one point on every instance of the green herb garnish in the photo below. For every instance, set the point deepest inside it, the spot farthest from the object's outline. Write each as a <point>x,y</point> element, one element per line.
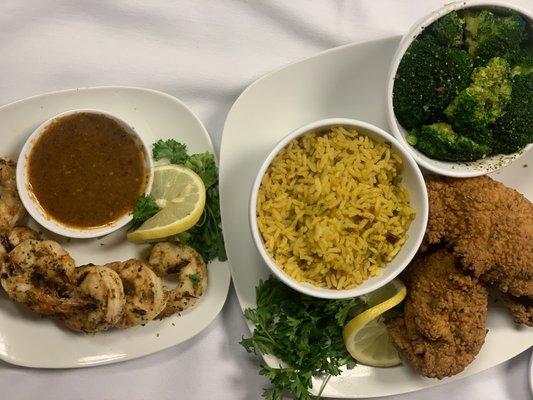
<point>206,236</point>
<point>195,279</point>
<point>302,331</point>
<point>205,166</point>
<point>171,149</point>
<point>145,208</point>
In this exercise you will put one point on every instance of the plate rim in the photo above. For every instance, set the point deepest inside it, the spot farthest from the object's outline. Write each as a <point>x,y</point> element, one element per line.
<point>225,265</point>
<point>531,371</point>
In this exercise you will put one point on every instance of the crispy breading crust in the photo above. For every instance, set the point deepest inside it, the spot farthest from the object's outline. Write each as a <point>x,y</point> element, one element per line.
<point>443,327</point>
<point>488,225</point>
<point>521,309</point>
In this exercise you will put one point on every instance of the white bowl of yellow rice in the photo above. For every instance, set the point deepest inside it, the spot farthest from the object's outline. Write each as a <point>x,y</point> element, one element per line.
<point>338,208</point>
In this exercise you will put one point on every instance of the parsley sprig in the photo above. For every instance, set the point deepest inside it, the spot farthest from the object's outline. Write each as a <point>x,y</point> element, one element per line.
<point>206,236</point>
<point>175,151</point>
<point>145,208</point>
<point>303,332</point>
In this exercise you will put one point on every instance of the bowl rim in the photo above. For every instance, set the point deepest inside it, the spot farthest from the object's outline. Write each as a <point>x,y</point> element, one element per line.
<point>307,288</point>
<point>473,168</point>
<point>31,203</point>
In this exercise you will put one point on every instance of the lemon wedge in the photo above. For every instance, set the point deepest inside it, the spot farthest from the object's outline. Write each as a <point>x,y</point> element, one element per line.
<point>180,193</point>
<point>366,337</point>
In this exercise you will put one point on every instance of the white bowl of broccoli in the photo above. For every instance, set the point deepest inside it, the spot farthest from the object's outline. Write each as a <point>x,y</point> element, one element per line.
<point>460,88</point>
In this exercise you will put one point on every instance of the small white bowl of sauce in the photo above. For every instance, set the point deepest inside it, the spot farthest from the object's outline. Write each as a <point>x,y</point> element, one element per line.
<point>80,173</point>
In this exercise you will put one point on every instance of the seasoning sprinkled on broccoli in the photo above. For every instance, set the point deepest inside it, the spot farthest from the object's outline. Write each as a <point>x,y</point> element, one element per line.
<point>429,76</point>
<point>514,129</point>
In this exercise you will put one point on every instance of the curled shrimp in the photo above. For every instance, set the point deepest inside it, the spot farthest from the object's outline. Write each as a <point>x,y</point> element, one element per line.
<point>11,238</point>
<point>181,260</point>
<point>144,292</point>
<point>11,208</point>
<point>38,274</point>
<point>104,288</point>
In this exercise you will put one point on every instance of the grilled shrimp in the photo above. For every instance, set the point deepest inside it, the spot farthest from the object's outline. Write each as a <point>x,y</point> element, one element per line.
<point>103,286</point>
<point>144,292</point>
<point>11,208</point>
<point>11,238</point>
<point>38,274</point>
<point>169,259</point>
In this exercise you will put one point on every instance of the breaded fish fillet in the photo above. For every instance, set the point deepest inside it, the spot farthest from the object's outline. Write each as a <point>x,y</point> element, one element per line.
<point>443,326</point>
<point>489,227</point>
<point>521,308</point>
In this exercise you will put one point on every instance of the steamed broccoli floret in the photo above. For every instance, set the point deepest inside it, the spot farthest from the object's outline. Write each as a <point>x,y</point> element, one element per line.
<point>521,61</point>
<point>448,30</point>
<point>440,142</point>
<point>514,129</point>
<point>488,35</point>
<point>428,78</point>
<point>481,103</point>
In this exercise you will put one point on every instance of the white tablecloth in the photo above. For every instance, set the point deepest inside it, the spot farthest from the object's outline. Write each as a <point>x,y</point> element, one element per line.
<point>205,53</point>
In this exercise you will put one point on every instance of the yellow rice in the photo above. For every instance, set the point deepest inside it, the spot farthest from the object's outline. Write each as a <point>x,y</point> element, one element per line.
<point>331,208</point>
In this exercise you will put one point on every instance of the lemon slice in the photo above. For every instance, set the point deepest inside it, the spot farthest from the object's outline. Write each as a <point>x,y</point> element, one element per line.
<point>180,193</point>
<point>366,337</point>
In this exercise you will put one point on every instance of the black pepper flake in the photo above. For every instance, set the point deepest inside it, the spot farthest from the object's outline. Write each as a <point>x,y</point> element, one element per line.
<point>391,238</point>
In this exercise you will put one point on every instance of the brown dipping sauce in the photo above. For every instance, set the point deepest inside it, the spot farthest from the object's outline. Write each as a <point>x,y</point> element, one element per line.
<point>86,170</point>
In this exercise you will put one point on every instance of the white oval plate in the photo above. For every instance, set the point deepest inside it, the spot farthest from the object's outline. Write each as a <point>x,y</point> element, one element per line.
<point>345,82</point>
<point>37,342</point>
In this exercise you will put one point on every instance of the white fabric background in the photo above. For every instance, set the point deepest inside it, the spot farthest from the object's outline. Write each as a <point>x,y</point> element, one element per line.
<point>205,53</point>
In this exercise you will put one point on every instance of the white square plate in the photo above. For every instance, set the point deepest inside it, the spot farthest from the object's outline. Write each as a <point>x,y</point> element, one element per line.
<point>37,342</point>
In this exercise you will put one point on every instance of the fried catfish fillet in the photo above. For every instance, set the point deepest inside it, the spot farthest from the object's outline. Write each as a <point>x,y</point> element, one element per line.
<point>488,226</point>
<point>443,326</point>
<point>521,308</point>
